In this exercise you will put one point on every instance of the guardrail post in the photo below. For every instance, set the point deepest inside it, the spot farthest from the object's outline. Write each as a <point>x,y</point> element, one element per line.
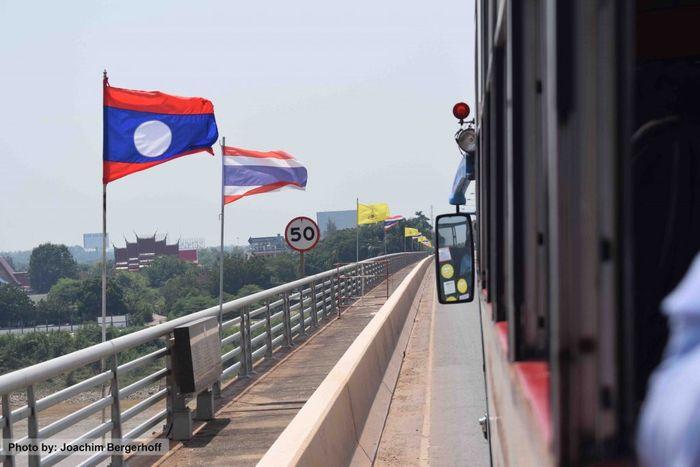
<point>268,329</point>
<point>321,296</point>
<point>116,416</point>
<point>387,278</point>
<point>33,429</point>
<point>243,344</point>
<point>302,321</point>
<point>361,279</point>
<point>314,309</point>
<point>249,335</point>
<point>179,415</point>
<point>287,320</point>
<point>335,296</point>
<point>340,290</point>
<point>9,460</point>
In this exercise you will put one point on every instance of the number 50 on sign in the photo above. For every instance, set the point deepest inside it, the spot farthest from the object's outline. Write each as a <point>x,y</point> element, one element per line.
<point>302,234</point>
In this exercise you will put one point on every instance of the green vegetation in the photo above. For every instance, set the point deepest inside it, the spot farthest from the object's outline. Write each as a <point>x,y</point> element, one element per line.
<point>14,304</point>
<point>168,287</point>
<point>48,264</point>
<point>19,351</point>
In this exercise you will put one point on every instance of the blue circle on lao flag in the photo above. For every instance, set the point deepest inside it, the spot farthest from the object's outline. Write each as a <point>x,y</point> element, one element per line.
<point>152,138</point>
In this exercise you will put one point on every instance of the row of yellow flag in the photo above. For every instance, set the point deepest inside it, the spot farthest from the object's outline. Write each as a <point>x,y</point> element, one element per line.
<point>378,212</point>
<point>422,239</point>
<point>372,213</point>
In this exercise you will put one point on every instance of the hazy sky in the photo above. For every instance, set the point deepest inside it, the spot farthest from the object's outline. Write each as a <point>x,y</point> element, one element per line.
<point>361,92</point>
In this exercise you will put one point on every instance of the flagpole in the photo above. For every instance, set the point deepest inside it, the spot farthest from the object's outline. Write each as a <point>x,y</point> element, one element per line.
<point>221,250</point>
<point>104,262</point>
<point>404,235</point>
<point>384,228</point>
<point>357,231</point>
<point>104,230</point>
<point>103,391</point>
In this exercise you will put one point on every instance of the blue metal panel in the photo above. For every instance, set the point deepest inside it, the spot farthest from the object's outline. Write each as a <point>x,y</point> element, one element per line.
<point>464,175</point>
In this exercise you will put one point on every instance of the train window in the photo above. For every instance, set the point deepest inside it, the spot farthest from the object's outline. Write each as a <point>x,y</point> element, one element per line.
<point>527,275</point>
<point>663,172</point>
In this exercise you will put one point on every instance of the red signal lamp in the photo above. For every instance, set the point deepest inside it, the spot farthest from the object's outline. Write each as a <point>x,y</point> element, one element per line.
<point>460,111</point>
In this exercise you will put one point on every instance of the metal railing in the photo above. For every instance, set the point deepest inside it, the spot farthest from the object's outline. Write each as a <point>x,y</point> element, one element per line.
<point>253,328</point>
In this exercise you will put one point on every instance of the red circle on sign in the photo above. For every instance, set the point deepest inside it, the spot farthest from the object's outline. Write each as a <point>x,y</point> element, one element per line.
<point>316,230</point>
<point>460,110</point>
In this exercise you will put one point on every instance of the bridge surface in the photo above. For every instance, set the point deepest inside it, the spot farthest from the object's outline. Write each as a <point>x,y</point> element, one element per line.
<point>433,413</point>
<point>255,411</point>
<point>439,397</point>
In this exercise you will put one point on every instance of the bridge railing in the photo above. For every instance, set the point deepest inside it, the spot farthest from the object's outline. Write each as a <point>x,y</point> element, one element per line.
<point>253,328</point>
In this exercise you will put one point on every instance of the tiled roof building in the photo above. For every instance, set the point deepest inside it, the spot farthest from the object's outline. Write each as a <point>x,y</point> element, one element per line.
<point>9,276</point>
<point>142,252</point>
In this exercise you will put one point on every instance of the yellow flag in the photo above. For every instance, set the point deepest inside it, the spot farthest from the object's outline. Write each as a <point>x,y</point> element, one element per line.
<point>422,239</point>
<point>410,232</point>
<point>372,213</point>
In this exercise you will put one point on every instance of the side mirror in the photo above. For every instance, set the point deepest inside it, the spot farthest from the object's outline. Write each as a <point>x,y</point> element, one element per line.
<point>454,258</point>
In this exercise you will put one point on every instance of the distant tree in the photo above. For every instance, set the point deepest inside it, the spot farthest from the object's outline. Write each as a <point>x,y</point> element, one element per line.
<point>196,281</point>
<point>338,247</point>
<point>422,223</point>
<point>89,302</point>
<point>283,268</point>
<point>248,289</point>
<point>208,257</point>
<point>141,300</point>
<point>15,306</point>
<point>331,228</point>
<point>48,263</point>
<point>164,268</point>
<point>190,304</point>
<point>95,269</point>
<point>61,303</point>
<point>240,270</point>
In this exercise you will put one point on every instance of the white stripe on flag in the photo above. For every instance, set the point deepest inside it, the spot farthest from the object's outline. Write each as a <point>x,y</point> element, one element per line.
<point>238,190</point>
<point>230,190</point>
<point>261,161</point>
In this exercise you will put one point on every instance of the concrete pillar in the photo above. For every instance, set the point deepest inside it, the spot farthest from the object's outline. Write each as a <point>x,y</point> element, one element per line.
<point>205,405</point>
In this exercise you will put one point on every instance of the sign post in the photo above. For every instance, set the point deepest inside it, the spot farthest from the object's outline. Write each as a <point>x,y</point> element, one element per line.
<point>302,234</point>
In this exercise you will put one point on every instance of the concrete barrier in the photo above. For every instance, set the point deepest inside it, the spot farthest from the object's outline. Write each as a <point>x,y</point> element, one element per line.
<point>341,422</point>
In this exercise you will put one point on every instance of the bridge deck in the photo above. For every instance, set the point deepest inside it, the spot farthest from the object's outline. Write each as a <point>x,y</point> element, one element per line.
<point>439,396</point>
<point>255,411</point>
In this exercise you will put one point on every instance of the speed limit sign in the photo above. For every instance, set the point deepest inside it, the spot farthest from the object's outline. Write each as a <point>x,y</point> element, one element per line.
<point>302,234</point>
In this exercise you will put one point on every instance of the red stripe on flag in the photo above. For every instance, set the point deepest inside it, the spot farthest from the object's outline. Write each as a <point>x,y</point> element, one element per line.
<point>255,191</point>
<point>233,151</point>
<point>155,102</point>
<point>115,170</point>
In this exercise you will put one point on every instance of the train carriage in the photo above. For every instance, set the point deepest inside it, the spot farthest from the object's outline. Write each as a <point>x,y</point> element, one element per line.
<point>588,195</point>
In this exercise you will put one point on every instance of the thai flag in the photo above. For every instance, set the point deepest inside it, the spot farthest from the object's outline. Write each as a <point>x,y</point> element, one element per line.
<point>146,128</point>
<point>249,172</point>
<point>392,221</point>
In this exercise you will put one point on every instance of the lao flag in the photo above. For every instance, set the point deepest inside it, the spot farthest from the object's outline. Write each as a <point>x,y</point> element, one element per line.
<point>249,172</point>
<point>147,128</point>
